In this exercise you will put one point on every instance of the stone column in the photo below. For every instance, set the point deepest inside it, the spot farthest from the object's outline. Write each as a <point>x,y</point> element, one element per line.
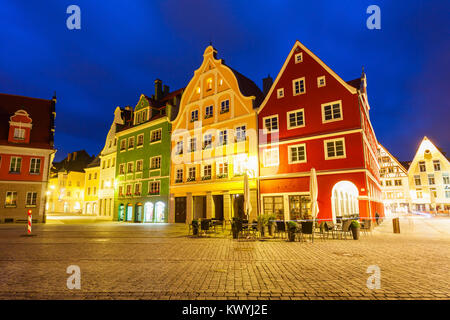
<point>189,207</point>
<point>209,205</point>
<point>254,202</point>
<point>171,217</point>
<point>226,206</point>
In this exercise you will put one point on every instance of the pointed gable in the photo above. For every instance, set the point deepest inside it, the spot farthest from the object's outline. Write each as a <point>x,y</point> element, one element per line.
<point>427,151</point>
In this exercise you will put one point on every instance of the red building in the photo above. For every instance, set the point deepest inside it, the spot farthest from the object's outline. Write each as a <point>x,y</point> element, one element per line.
<point>26,153</point>
<point>311,118</point>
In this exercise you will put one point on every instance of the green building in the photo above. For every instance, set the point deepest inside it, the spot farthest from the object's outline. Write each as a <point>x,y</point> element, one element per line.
<point>143,158</point>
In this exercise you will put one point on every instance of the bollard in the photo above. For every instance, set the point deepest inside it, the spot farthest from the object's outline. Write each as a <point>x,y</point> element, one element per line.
<point>396,225</point>
<point>29,222</point>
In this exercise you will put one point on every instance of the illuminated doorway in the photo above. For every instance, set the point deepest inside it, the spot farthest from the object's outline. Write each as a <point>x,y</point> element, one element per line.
<point>148,212</point>
<point>120,212</point>
<point>344,200</point>
<point>159,212</point>
<point>129,212</point>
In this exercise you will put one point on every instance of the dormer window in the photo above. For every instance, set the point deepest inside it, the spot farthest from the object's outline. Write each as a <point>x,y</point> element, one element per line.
<point>20,127</point>
<point>209,84</point>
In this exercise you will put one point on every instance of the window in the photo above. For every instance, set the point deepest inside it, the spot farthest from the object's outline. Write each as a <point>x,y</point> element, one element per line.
<point>19,134</point>
<point>437,165</point>
<point>154,187</point>
<point>156,135</point>
<point>431,179</point>
<point>31,199</point>
<point>422,166</point>
<point>299,207</point>
<point>295,119</point>
<point>280,93</point>
<point>130,167</point>
<point>274,206</point>
<point>123,145</point>
<point>95,191</point>
<point>298,86</point>
<point>129,186</point>
<point>208,112</point>
<point>207,141</point>
<point>11,199</point>
<point>139,165</point>
<point>433,192</point>
<point>89,191</point>
<point>78,183</point>
<point>140,140</point>
<point>297,153</point>
<point>388,183</point>
<point>130,142</point>
<point>209,84</point>
<point>332,111</point>
<point>90,176</point>
<point>398,182</point>
<point>194,115</point>
<point>192,145</point>
<point>321,81</point>
<point>447,193</point>
<point>109,163</point>
<point>120,190</point>
<point>223,137</point>
<point>155,162</point>
<point>299,57</point>
<point>35,165</point>
<point>192,172</point>
<point>419,194</point>
<point>241,133</point>
<point>271,157</point>
<point>445,178</point>
<point>334,149</point>
<point>417,181</point>
<point>137,189</point>
<point>179,148</point>
<point>225,106</point>
<point>179,176</point>
<point>222,169</point>
<point>271,123</point>
<point>15,165</point>
<point>207,171</point>
<point>95,175</point>
<point>122,168</point>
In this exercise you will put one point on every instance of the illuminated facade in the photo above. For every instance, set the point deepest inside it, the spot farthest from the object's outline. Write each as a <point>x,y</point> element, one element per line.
<point>26,154</point>
<point>214,143</point>
<point>143,158</point>
<point>91,184</point>
<point>394,182</point>
<point>66,187</point>
<point>311,118</point>
<point>429,179</point>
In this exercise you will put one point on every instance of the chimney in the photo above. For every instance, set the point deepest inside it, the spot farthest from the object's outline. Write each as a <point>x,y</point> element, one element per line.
<point>267,84</point>
<point>158,89</point>
<point>68,157</point>
<point>75,155</point>
<point>165,90</point>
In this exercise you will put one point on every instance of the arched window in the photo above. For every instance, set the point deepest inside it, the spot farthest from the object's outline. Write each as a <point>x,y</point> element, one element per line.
<point>345,199</point>
<point>148,212</point>
<point>159,211</point>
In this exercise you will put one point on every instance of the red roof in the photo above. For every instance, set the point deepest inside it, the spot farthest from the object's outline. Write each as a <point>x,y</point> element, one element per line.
<point>39,110</point>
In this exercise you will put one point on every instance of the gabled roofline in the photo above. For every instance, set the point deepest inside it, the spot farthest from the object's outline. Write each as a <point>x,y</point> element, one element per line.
<point>416,155</point>
<point>395,159</point>
<point>328,69</point>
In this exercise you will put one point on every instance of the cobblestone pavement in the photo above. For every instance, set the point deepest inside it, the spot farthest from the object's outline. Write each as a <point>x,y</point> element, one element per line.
<point>130,261</point>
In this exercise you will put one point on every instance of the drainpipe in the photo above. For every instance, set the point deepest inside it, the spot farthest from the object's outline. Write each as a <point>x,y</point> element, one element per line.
<point>50,161</point>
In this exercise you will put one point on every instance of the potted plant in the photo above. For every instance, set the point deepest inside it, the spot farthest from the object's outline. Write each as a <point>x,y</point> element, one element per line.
<point>292,228</point>
<point>262,221</point>
<point>194,227</point>
<point>356,227</point>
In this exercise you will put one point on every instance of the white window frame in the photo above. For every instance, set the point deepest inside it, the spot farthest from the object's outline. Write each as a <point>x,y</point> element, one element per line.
<point>318,82</point>
<point>160,136</point>
<point>209,114</point>
<point>280,93</point>
<point>300,54</point>
<point>264,124</point>
<point>19,134</point>
<point>323,105</point>
<point>302,110</point>
<point>34,169</point>
<point>131,139</point>
<point>151,163</point>
<point>132,167</point>
<point>326,149</point>
<point>204,167</point>
<point>194,115</point>
<point>155,182</point>
<point>209,135</point>
<point>19,167</point>
<point>265,157</point>
<point>242,130</point>
<point>223,102</point>
<point>32,193</point>
<point>293,86</point>
<point>290,153</point>
<point>137,141</point>
<point>142,165</point>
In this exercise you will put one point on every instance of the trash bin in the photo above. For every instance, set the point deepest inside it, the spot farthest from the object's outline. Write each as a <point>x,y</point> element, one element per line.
<point>396,225</point>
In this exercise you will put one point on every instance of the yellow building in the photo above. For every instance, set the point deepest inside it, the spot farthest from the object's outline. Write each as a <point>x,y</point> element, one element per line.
<point>429,179</point>
<point>214,143</point>
<point>91,187</point>
<point>66,186</point>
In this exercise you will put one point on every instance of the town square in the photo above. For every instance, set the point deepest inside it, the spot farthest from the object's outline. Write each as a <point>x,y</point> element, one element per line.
<point>179,151</point>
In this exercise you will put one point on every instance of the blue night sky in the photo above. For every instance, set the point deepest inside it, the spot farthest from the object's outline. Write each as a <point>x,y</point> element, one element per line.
<point>124,45</point>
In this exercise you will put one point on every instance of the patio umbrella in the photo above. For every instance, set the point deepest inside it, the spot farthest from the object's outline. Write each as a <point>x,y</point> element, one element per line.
<point>247,204</point>
<point>313,189</point>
